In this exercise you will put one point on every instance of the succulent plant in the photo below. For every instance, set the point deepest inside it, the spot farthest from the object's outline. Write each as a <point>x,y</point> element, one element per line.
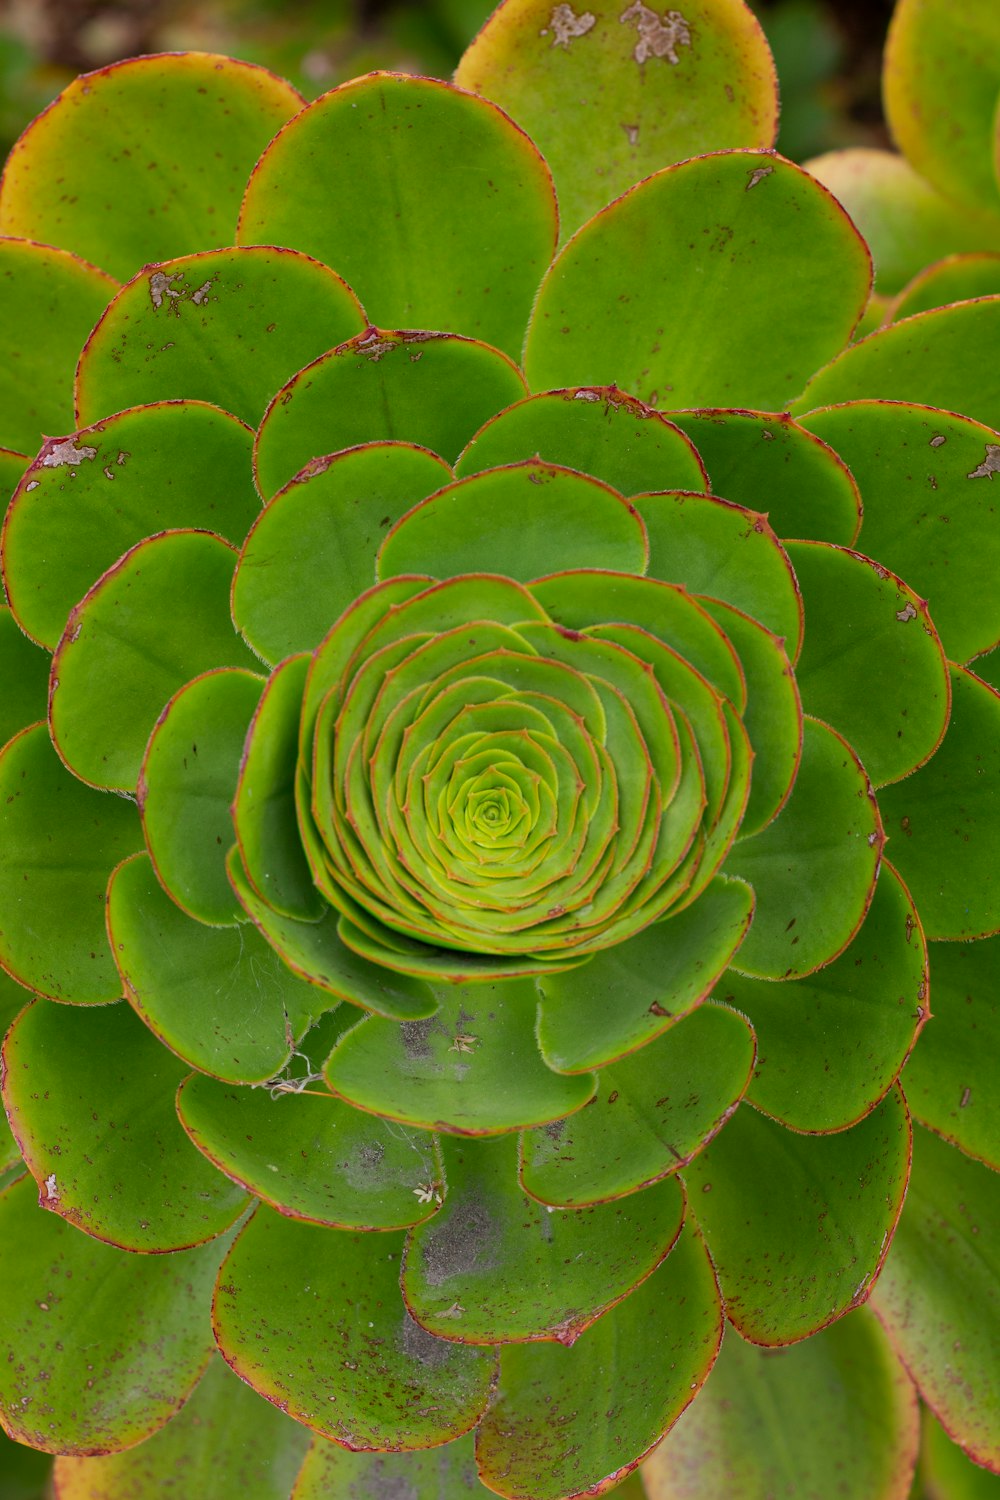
<point>466,659</point>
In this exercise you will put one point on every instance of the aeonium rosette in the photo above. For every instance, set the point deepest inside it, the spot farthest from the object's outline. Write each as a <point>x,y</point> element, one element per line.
<point>516,988</point>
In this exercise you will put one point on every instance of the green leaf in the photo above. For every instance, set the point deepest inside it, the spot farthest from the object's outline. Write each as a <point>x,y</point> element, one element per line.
<point>88,498</point>
<point>473,1068</point>
<point>872,664</point>
<point>430,389</point>
<point>90,1094</point>
<point>312,1157</point>
<point>595,430</point>
<point>49,302</point>
<point>24,672</point>
<point>464,203</point>
<point>224,1441</point>
<point>949,1078</point>
<point>941,359</point>
<point>611,94</point>
<point>773,715</point>
<point>906,222</point>
<point>654,1110</point>
<point>938,1295</point>
<point>109,1344</point>
<point>329,1339</point>
<point>798,1225</point>
<point>957,278</point>
<point>547,1433</point>
<point>769,1422</point>
<point>948,1472</point>
<point>692,290</point>
<point>118,635</point>
<point>830,1046</point>
<point>941,84</point>
<point>316,952</point>
<point>446,1473</point>
<point>713,547</point>
<point>945,819</point>
<point>174,136</point>
<point>630,993</point>
<point>313,550</point>
<point>227,326</point>
<point>813,869</point>
<point>26,1474</point>
<point>765,460</point>
<point>250,1008</point>
<point>263,809</point>
<point>186,785</point>
<point>13,999</point>
<point>496,1266</point>
<point>923,518</point>
<point>53,938</point>
<point>540,515</point>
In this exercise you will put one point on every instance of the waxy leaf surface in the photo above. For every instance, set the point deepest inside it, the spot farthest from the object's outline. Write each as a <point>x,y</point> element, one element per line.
<point>831,1045</point>
<point>330,1340</point>
<point>90,1092</point>
<point>461,247</point>
<point>227,326</point>
<point>612,93</point>
<point>692,291</point>
<point>175,136</point>
<point>223,1438</point>
<point>548,1434</point>
<point>938,1295</point>
<point>109,1345</point>
<point>798,1225</point>
<point>836,1409</point>
<point>494,1265</point>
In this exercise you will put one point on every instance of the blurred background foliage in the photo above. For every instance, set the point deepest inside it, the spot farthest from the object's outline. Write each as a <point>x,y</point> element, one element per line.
<point>828,51</point>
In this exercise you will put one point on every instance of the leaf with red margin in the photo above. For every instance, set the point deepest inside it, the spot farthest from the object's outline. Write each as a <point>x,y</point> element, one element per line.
<point>494,1266</point>
<point>571,1421</point>
<point>24,672</point>
<point>224,1437</point>
<point>61,950</point>
<point>833,1414</point>
<point>109,1344</point>
<point>831,1045</point>
<point>611,94</point>
<point>49,302</point>
<point>814,868</point>
<point>950,1079</point>
<point>693,290</point>
<point>175,137</point>
<point>654,1110</point>
<point>226,326</point>
<point>798,1225</point>
<point>939,1294</point>
<point>326,1336</point>
<point>89,1092</point>
<point>767,462</point>
<point>945,819</point>
<point>463,200</point>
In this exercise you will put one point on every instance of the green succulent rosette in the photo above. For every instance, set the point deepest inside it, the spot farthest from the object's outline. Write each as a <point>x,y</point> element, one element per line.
<point>452,967</point>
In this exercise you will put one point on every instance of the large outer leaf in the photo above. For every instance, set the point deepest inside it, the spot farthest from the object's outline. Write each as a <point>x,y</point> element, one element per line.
<point>613,92</point>
<point>798,1225</point>
<point>462,201</point>
<point>49,301</point>
<point>109,1344</point>
<point>833,1415</point>
<point>224,1442</point>
<point>693,290</point>
<point>942,79</point>
<point>939,1295</point>
<point>549,1432</point>
<point>175,137</point>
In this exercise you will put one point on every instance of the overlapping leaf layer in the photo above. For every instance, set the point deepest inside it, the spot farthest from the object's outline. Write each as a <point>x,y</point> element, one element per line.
<point>507,714</point>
